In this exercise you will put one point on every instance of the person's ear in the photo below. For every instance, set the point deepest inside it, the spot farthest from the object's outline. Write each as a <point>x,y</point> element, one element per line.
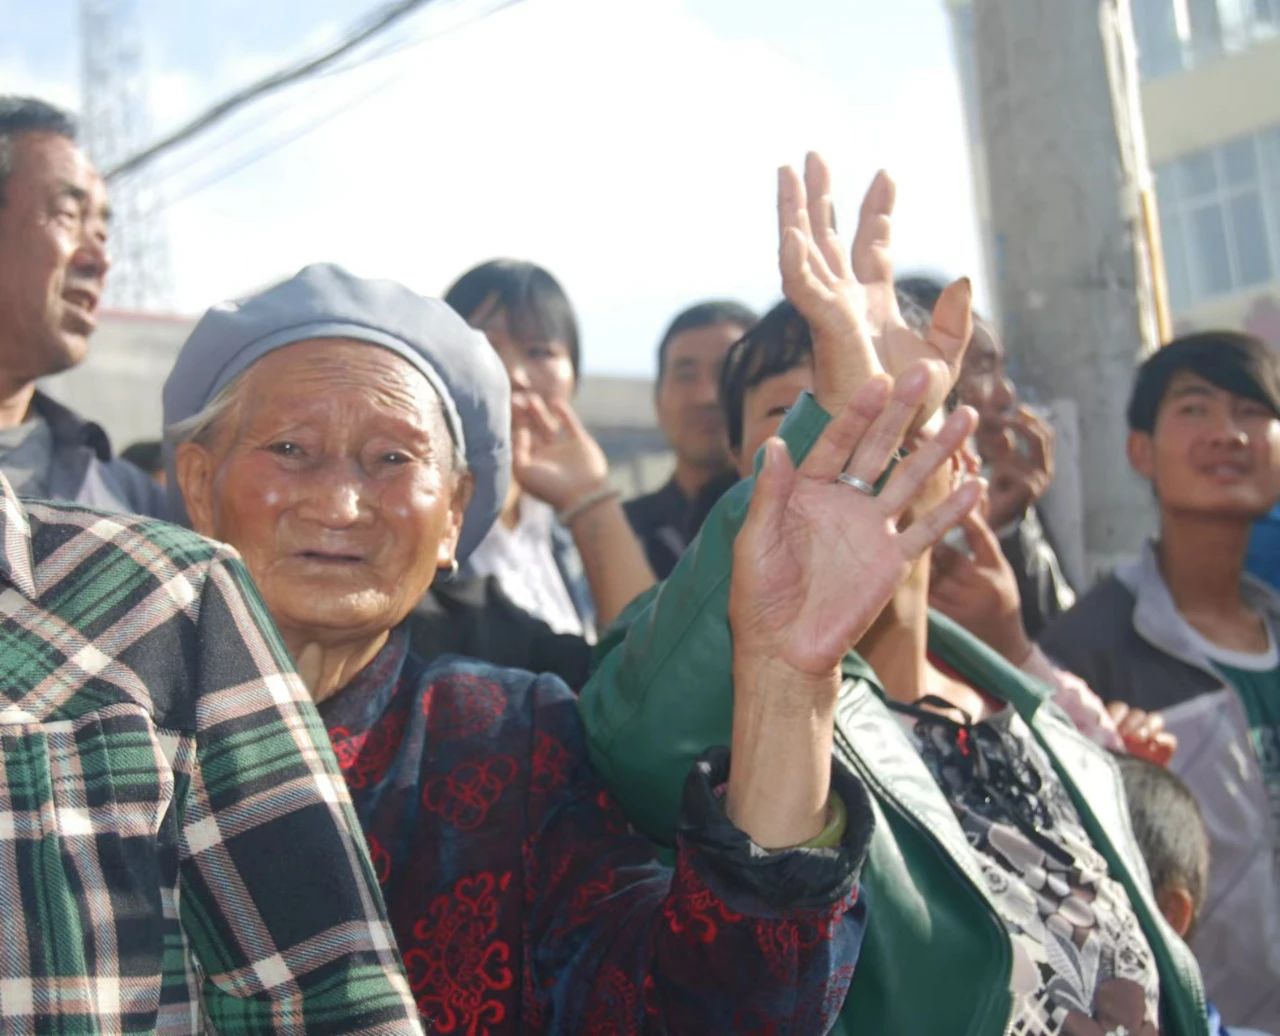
<point>194,464</point>
<point>1178,907</point>
<point>446,552</point>
<point>1141,450</point>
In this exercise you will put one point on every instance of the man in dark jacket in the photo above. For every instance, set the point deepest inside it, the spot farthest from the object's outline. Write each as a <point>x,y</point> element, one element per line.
<point>690,356</point>
<point>53,267</point>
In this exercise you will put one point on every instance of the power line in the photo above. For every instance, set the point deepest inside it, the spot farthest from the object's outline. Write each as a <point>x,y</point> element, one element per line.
<point>249,158</point>
<point>251,155</point>
<point>370,27</point>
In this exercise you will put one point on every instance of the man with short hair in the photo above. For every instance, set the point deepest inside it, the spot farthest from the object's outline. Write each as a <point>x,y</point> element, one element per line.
<point>690,356</point>
<point>53,268</point>
<point>1185,631</point>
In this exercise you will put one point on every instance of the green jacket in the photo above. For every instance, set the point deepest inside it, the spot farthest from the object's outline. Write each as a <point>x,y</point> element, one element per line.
<point>936,957</point>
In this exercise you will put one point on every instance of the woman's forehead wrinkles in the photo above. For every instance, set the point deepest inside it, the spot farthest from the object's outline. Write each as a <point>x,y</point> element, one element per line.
<point>368,369</point>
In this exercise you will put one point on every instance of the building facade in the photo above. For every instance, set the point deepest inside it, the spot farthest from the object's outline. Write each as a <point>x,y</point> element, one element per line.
<point>1210,97</point>
<point>1211,106</point>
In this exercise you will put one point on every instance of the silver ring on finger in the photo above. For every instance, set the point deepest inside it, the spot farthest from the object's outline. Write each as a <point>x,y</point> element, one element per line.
<point>865,488</point>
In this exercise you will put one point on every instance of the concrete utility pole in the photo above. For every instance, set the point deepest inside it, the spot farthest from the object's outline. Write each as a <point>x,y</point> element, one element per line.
<point>1066,167</point>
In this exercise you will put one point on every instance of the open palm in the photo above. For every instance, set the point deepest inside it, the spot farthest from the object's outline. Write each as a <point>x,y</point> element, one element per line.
<point>817,560</point>
<point>849,301</point>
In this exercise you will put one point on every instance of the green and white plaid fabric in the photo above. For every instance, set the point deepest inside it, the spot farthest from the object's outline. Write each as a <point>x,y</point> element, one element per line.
<point>177,847</point>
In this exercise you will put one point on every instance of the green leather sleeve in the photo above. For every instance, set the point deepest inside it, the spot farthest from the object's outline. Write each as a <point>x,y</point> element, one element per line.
<point>662,690</point>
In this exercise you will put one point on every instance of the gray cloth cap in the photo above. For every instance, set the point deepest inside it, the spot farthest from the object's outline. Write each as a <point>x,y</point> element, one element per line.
<point>324,301</point>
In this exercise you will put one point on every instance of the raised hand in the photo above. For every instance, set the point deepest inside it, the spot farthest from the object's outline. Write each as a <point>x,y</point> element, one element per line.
<point>850,303</point>
<point>553,457</point>
<point>817,559</point>
<point>813,566</point>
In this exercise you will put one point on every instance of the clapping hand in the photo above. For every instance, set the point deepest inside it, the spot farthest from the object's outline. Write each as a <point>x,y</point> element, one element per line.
<point>850,303</point>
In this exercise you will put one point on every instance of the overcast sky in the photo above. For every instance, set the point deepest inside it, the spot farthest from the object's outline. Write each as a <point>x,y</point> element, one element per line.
<point>630,146</point>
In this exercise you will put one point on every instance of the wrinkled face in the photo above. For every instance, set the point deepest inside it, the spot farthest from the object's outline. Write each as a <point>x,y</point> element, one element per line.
<point>763,408</point>
<point>53,262</point>
<point>538,366</point>
<point>332,474</point>
<point>688,404</point>
<point>1211,452</point>
<point>982,385</point>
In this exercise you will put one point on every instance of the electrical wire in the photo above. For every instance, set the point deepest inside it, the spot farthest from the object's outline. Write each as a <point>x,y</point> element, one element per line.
<point>370,27</point>
<point>392,48</point>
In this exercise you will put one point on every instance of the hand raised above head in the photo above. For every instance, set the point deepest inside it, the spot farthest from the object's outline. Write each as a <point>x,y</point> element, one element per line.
<point>850,303</point>
<point>817,559</point>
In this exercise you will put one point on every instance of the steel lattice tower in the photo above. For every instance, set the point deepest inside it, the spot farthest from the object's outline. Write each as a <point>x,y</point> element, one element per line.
<point>116,124</point>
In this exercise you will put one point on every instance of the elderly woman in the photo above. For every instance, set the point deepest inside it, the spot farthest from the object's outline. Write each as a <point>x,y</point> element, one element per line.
<point>349,438</point>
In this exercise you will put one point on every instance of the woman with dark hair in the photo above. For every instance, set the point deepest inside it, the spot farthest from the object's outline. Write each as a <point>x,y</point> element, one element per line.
<point>562,548</point>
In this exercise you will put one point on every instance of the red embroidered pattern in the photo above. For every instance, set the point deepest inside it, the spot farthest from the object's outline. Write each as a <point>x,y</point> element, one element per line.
<point>692,905</point>
<point>587,896</point>
<point>613,1005</point>
<point>365,757</point>
<point>550,764</point>
<point>464,796</point>
<point>782,942</point>
<point>615,822</point>
<point>461,706</point>
<point>458,964</point>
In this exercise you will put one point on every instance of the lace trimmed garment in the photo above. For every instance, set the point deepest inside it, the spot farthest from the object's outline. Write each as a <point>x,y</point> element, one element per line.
<point>1081,965</point>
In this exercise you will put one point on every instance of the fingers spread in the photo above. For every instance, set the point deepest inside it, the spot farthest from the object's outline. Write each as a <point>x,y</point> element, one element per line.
<point>926,530</point>
<point>911,475</point>
<point>793,216</point>
<point>831,452</point>
<point>791,202</point>
<point>871,264</point>
<point>772,491</point>
<point>822,216</point>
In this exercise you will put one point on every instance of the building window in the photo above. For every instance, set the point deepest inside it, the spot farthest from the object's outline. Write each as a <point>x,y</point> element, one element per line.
<point>1220,218</point>
<point>1175,35</point>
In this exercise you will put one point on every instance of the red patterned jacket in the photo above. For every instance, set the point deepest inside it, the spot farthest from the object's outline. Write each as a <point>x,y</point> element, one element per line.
<point>522,902</point>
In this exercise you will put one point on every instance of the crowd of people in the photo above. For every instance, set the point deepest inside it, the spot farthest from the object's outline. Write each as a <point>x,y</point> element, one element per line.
<point>369,706</point>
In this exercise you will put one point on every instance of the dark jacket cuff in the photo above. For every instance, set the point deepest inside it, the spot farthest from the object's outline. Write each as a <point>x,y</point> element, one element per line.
<point>749,878</point>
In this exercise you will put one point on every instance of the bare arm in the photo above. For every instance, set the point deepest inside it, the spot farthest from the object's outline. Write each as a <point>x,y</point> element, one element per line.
<point>814,565</point>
